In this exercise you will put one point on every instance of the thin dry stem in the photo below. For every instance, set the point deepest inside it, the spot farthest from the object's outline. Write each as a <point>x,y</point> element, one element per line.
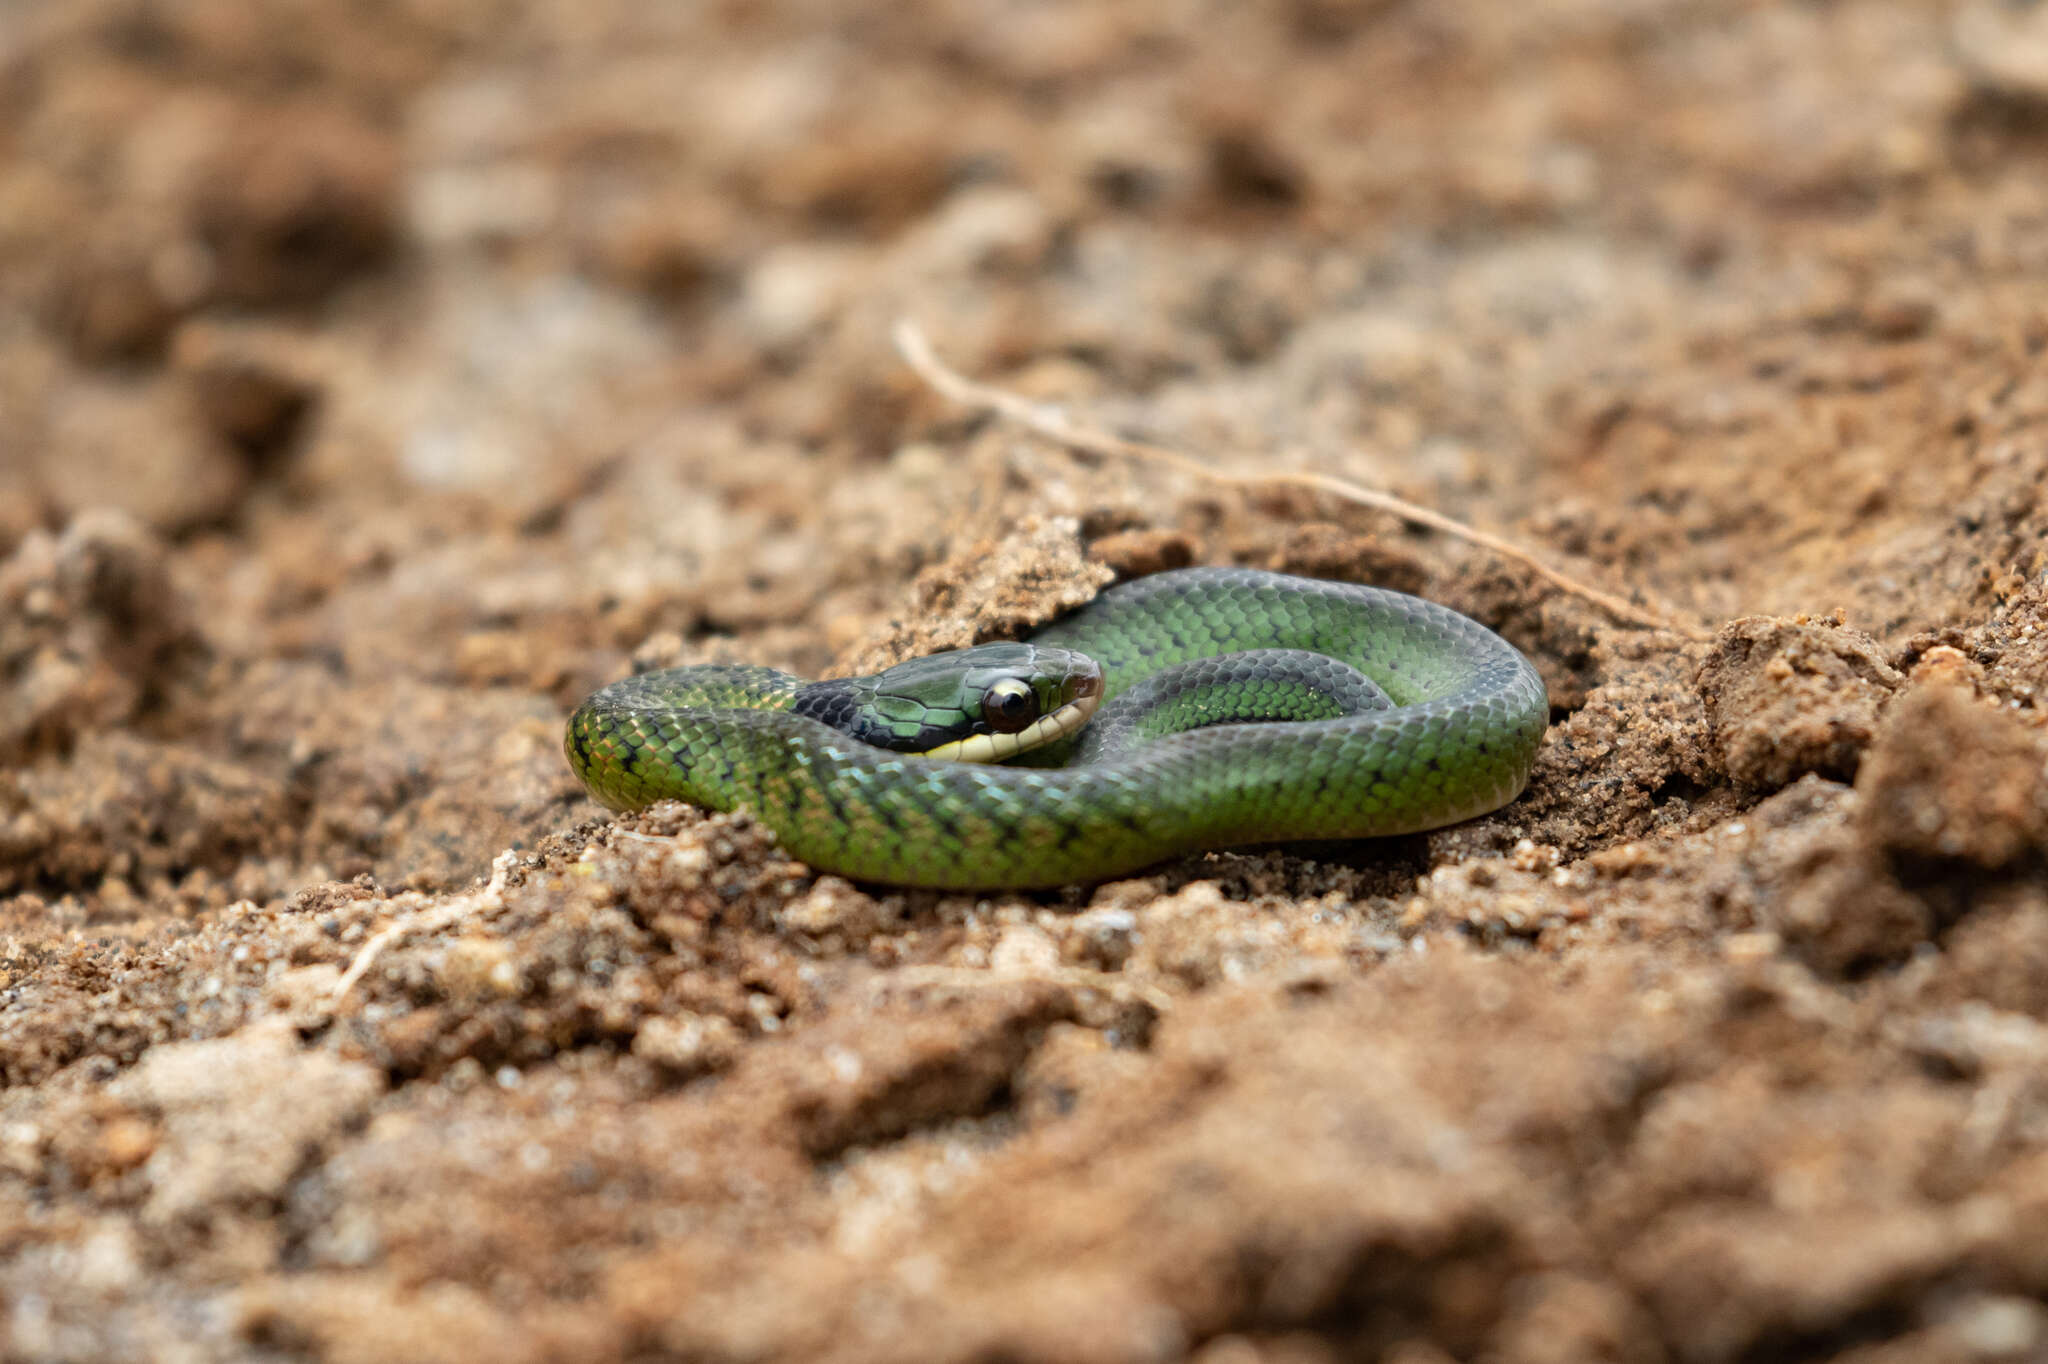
<point>446,915</point>
<point>1055,425</point>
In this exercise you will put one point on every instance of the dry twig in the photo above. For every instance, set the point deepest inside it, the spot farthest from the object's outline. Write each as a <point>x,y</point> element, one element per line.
<point>1055,425</point>
<point>445,915</point>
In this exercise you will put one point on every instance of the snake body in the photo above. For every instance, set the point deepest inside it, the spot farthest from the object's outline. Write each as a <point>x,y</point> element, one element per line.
<point>1445,728</point>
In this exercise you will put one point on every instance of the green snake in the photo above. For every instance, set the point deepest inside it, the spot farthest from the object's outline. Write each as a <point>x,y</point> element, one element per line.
<point>1184,711</point>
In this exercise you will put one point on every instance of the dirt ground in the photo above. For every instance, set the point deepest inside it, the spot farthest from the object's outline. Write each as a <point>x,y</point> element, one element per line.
<point>377,377</point>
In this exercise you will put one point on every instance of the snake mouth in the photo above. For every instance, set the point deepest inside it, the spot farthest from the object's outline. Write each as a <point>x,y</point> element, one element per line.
<point>993,748</point>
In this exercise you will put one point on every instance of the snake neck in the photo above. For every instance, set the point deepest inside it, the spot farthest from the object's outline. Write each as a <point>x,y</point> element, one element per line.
<point>835,702</point>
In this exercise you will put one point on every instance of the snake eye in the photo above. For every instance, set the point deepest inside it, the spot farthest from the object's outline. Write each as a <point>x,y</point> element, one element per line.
<point>1009,706</point>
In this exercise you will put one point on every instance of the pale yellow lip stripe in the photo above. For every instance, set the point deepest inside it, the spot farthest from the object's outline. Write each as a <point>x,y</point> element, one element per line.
<point>993,748</point>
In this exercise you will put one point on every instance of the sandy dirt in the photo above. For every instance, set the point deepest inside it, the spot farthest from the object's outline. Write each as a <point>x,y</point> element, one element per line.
<point>376,379</point>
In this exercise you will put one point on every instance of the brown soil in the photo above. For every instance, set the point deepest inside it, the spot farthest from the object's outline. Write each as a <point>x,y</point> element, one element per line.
<point>375,380</point>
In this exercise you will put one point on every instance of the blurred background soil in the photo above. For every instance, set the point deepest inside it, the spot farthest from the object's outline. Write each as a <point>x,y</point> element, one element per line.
<point>379,376</point>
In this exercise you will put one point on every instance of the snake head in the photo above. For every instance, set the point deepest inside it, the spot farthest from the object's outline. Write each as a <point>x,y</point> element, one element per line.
<point>979,705</point>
